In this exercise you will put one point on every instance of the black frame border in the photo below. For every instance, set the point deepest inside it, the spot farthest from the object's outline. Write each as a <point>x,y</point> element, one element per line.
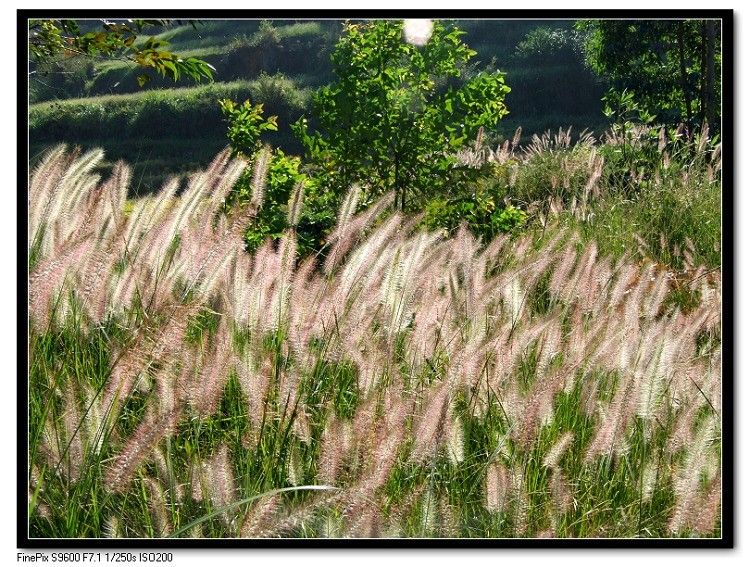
<point>729,422</point>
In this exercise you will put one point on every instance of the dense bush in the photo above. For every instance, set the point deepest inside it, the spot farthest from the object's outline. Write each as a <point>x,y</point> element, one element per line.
<point>544,45</point>
<point>483,206</point>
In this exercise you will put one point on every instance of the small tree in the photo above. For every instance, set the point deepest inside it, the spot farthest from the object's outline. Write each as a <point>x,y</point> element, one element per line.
<point>395,115</point>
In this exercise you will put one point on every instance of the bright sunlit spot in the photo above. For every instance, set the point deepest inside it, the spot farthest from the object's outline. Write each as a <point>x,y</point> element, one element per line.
<point>417,32</point>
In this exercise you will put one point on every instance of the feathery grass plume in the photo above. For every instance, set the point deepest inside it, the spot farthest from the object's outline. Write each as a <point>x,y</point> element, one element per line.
<point>335,445</point>
<point>551,343</point>
<point>429,512</point>
<point>301,426</point>
<point>94,278</point>
<point>147,216</point>
<point>294,471</point>
<point>136,449</point>
<point>345,234</point>
<point>393,285</point>
<point>384,455</point>
<point>520,499</point>
<point>428,428</point>
<point>166,384</point>
<point>656,375</point>
<point>209,383</point>
<point>687,476</point>
<point>359,265</point>
<point>612,422</point>
<point>238,294</point>
<point>73,186</point>
<point>78,217</point>
<point>562,270</point>
<point>74,443</point>
<point>537,408</point>
<point>158,505</point>
<point>305,292</point>
<point>112,527</point>
<point>515,299</point>
<point>596,169</point>
<point>222,483</point>
<point>210,268</point>
<point>648,480</point>
<point>689,401</point>
<point>47,280</point>
<point>128,364</point>
<point>298,516</point>
<point>261,518</point>
<point>707,509</point>
<point>562,497</point>
<point>178,217</point>
<point>115,193</point>
<point>294,207</point>
<point>44,181</point>
<point>365,521</point>
<point>198,481</point>
<point>659,290</point>
<point>497,487</point>
<point>455,440</point>
<point>627,276</point>
<point>450,522</point>
<point>365,432</point>
<point>260,172</point>
<point>222,186</point>
<point>283,289</point>
<point>398,294</point>
<point>553,456</point>
<point>344,237</point>
<point>579,281</point>
<point>254,384</point>
<point>348,208</point>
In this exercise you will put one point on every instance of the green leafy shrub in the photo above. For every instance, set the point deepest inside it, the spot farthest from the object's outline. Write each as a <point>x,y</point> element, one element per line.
<point>246,125</point>
<point>485,210</point>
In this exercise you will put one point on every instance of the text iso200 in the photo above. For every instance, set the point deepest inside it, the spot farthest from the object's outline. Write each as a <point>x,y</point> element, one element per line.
<point>155,557</point>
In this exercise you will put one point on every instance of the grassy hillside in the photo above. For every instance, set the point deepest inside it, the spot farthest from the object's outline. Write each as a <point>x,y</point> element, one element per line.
<point>162,132</point>
<point>280,63</point>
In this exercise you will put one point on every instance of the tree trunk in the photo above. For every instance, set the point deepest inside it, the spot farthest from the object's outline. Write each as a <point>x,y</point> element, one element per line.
<point>712,113</point>
<point>397,182</point>
<point>684,77</point>
<point>703,88</point>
